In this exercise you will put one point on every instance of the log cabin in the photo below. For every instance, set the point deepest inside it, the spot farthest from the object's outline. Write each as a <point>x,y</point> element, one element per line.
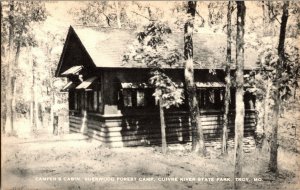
<point>111,101</point>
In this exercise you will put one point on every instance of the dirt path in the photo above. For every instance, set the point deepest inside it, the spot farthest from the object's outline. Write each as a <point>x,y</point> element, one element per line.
<point>76,162</point>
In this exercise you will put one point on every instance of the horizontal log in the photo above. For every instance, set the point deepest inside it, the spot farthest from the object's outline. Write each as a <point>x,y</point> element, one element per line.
<point>143,133</point>
<point>75,130</point>
<point>148,142</point>
<point>150,129</point>
<point>75,123</point>
<point>175,134</point>
<point>144,130</point>
<point>75,126</point>
<point>75,118</point>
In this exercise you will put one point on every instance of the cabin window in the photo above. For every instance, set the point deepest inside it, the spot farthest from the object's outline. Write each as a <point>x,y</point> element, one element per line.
<point>83,100</point>
<point>136,97</point>
<point>249,100</point>
<point>73,100</point>
<point>140,98</point>
<point>95,100</point>
<point>214,99</point>
<point>127,97</point>
<point>99,100</point>
<point>90,100</point>
<point>232,99</point>
<point>77,98</point>
<point>210,98</point>
<point>149,98</point>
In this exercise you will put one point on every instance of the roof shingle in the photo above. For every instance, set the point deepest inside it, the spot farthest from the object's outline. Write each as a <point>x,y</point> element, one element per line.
<point>106,46</point>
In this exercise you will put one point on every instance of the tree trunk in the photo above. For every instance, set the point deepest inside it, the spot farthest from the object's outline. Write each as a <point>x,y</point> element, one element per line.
<point>13,85</point>
<point>3,97</point>
<point>163,128</point>
<point>3,76</point>
<point>228,82</point>
<point>259,131</point>
<point>266,103</point>
<point>35,106</point>
<point>266,128</point>
<point>9,95</point>
<point>33,93</point>
<point>240,107</point>
<point>40,114</point>
<point>295,85</point>
<point>150,13</point>
<point>118,14</point>
<point>197,132</point>
<point>264,17</point>
<point>52,93</point>
<point>274,145</point>
<point>52,101</point>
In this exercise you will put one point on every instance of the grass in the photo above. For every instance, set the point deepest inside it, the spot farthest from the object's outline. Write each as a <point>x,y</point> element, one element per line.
<point>72,155</point>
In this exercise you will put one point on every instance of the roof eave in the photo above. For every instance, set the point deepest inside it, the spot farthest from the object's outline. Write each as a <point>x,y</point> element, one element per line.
<point>57,72</point>
<point>71,31</point>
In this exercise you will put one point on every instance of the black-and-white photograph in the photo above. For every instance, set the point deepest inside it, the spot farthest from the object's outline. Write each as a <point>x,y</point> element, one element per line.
<point>150,95</point>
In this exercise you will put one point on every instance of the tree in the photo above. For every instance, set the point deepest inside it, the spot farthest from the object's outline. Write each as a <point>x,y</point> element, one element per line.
<point>266,29</point>
<point>240,107</point>
<point>10,77</point>
<point>216,12</point>
<point>278,85</point>
<point>279,66</point>
<point>227,80</point>
<point>132,14</point>
<point>52,41</point>
<point>18,18</point>
<point>101,13</point>
<point>197,131</point>
<point>34,107</point>
<point>3,70</point>
<point>154,49</point>
<point>166,94</point>
<point>114,14</point>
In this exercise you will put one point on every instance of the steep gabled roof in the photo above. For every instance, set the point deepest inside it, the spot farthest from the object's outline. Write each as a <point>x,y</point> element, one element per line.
<point>106,47</point>
<point>74,54</point>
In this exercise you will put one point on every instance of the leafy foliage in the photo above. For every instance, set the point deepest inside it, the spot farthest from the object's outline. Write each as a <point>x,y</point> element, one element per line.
<point>166,89</point>
<point>25,13</point>
<point>269,65</point>
<point>217,12</point>
<point>116,13</point>
<point>96,13</point>
<point>39,50</point>
<point>153,49</point>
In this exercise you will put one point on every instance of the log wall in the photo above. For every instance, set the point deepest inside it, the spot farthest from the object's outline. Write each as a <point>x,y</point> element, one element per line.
<point>144,130</point>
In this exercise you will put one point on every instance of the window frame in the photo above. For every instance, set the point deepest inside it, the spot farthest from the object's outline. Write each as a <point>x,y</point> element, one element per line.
<point>204,100</point>
<point>133,95</point>
<point>96,101</point>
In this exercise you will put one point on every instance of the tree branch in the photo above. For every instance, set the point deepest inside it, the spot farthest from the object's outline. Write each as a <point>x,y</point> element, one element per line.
<point>277,20</point>
<point>233,9</point>
<point>107,19</point>
<point>143,16</point>
<point>274,16</point>
<point>203,21</point>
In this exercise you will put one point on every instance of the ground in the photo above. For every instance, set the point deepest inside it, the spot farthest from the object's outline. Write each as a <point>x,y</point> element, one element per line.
<point>73,161</point>
<point>26,163</point>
